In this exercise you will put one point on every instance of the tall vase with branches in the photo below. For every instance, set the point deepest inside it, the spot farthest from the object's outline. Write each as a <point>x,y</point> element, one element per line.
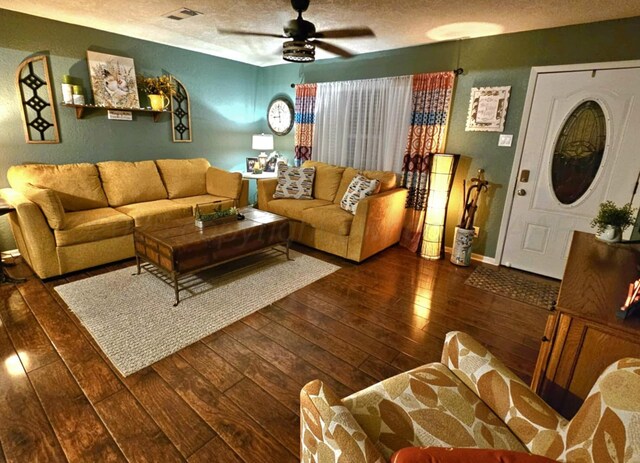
<point>464,234</point>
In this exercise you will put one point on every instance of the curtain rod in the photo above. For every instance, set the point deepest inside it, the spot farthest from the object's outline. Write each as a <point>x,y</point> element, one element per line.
<point>456,71</point>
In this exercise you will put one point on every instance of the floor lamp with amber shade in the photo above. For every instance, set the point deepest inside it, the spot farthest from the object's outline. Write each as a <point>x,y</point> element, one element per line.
<point>443,169</point>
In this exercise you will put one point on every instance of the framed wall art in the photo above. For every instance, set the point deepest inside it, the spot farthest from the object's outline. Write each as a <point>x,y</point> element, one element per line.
<point>36,101</point>
<point>488,109</point>
<point>113,80</point>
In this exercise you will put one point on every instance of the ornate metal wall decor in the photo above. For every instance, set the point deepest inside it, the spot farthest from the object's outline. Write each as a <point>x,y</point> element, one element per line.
<point>180,114</point>
<point>36,101</point>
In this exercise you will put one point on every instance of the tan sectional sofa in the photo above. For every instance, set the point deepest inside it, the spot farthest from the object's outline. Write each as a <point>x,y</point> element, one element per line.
<point>322,224</point>
<point>74,216</point>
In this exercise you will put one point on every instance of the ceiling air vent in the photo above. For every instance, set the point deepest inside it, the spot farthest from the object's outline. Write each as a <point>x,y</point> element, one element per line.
<point>182,13</point>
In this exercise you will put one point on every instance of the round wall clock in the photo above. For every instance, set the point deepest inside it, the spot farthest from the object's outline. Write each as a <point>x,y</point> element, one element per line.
<point>280,116</point>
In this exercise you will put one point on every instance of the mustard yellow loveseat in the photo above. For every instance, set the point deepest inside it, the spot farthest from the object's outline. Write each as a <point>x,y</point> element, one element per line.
<point>470,400</point>
<point>70,217</point>
<point>322,224</point>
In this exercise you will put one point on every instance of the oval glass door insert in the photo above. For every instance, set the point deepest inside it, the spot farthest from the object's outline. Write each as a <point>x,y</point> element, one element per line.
<point>578,153</point>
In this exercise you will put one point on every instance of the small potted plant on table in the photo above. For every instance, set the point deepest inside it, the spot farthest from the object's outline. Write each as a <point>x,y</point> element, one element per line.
<point>612,220</point>
<point>158,89</point>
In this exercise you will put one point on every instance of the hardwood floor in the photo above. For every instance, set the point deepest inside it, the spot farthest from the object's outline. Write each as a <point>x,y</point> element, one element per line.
<point>233,396</point>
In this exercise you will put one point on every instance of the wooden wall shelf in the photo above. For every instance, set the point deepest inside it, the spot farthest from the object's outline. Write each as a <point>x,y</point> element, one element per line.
<point>81,108</point>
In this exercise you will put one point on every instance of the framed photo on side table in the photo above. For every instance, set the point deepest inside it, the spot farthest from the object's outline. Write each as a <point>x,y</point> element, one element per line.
<point>250,163</point>
<point>487,109</point>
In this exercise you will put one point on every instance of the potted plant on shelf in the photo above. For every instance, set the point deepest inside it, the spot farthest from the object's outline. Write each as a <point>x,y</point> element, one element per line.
<point>158,89</point>
<point>612,220</point>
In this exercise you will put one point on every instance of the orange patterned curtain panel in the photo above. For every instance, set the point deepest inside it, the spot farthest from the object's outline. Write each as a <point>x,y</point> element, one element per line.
<point>427,134</point>
<point>304,121</point>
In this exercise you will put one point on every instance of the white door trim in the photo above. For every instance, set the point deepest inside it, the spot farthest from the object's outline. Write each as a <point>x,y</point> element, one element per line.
<point>524,123</point>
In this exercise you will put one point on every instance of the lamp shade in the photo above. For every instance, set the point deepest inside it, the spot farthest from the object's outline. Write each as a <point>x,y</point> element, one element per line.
<point>443,169</point>
<point>262,142</point>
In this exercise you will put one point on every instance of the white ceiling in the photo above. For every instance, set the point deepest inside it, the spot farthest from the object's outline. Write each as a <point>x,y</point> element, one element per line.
<point>397,23</point>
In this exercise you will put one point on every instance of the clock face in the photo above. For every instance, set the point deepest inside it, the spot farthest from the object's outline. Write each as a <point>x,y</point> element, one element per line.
<point>280,116</point>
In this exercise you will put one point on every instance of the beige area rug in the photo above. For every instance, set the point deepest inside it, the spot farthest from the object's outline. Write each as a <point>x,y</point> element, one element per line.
<point>133,320</point>
<point>509,284</point>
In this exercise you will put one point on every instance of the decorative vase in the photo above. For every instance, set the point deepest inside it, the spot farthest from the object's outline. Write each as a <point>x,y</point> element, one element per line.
<point>461,250</point>
<point>610,234</point>
<point>158,102</point>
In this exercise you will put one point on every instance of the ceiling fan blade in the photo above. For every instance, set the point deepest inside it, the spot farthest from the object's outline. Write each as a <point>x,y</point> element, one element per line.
<point>345,33</point>
<point>256,34</point>
<point>332,49</point>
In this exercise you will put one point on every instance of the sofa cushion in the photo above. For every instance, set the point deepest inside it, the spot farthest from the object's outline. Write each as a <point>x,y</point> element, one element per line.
<point>452,455</point>
<point>295,182</point>
<point>428,406</point>
<point>131,182</point>
<point>192,201</point>
<point>154,212</point>
<point>294,208</point>
<point>222,183</point>
<point>184,177</point>
<point>77,185</point>
<point>49,203</point>
<point>388,180</point>
<point>329,218</point>
<point>93,225</point>
<point>359,188</point>
<point>327,180</point>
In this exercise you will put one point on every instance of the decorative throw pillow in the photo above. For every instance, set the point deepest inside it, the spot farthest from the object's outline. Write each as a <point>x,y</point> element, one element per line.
<point>359,188</point>
<point>295,182</point>
<point>467,455</point>
<point>49,203</point>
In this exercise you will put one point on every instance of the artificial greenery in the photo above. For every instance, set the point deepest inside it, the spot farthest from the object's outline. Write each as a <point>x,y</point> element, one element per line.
<point>611,215</point>
<point>161,85</point>
<point>217,214</point>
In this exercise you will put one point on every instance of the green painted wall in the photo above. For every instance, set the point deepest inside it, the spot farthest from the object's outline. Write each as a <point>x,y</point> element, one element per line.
<point>491,61</point>
<point>223,95</point>
<point>230,98</point>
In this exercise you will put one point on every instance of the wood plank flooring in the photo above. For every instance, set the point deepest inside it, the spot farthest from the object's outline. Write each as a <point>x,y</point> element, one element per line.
<point>233,396</point>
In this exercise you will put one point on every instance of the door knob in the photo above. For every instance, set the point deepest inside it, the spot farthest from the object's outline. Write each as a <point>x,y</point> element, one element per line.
<point>521,192</point>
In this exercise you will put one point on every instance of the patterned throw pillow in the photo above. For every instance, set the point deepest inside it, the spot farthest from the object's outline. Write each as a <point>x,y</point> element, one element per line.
<point>295,182</point>
<point>359,188</point>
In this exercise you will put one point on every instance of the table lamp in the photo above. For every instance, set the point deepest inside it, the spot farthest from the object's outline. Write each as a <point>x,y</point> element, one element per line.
<point>263,143</point>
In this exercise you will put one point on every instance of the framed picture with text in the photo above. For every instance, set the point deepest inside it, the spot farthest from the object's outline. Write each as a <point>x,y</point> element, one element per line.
<point>488,109</point>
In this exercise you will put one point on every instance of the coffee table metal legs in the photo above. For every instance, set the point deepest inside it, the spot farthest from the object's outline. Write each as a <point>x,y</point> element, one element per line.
<point>176,290</point>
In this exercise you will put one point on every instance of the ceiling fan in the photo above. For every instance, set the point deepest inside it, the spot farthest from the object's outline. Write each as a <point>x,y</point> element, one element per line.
<point>305,38</point>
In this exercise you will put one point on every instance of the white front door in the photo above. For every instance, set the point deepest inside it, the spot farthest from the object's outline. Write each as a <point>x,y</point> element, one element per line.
<point>581,147</point>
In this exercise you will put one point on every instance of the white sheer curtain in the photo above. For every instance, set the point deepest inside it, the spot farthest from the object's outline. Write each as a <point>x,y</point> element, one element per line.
<point>363,123</point>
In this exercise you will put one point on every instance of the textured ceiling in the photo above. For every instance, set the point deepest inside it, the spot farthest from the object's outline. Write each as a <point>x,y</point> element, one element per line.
<point>397,23</point>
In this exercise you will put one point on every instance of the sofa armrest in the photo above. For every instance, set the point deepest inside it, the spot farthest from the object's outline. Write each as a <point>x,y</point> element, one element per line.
<point>377,223</point>
<point>33,236</point>
<point>507,395</point>
<point>243,200</point>
<point>224,183</point>
<point>328,431</point>
<point>266,189</point>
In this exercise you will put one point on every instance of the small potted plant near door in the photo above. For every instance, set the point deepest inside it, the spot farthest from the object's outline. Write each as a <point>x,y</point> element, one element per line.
<point>612,220</point>
<point>158,89</point>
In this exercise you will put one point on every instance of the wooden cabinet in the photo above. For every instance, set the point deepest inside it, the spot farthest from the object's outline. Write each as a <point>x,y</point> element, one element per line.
<point>583,335</point>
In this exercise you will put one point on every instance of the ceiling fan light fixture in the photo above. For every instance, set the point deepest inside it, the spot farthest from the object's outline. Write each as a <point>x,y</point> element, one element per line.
<point>298,51</point>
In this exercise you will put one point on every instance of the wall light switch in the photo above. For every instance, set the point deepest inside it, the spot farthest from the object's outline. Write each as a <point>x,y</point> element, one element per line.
<point>505,140</point>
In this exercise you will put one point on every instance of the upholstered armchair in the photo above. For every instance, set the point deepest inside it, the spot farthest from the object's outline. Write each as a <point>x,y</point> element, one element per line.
<point>470,399</point>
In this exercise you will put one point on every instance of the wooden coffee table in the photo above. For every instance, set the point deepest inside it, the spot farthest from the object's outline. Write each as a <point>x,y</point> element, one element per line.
<point>179,248</point>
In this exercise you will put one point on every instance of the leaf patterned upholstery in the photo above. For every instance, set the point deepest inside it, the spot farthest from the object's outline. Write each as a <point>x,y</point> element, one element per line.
<point>470,399</point>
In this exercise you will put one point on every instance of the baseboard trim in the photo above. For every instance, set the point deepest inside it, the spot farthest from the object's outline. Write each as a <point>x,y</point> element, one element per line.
<point>477,257</point>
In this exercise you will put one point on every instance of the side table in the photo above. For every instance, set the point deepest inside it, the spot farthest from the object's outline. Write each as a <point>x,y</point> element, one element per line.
<point>256,177</point>
<point>5,208</point>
